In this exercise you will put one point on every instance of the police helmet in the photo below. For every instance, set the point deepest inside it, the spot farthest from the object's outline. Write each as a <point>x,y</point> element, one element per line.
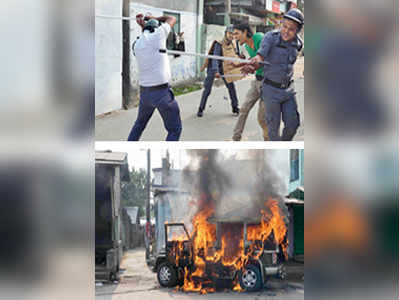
<point>151,25</point>
<point>297,16</point>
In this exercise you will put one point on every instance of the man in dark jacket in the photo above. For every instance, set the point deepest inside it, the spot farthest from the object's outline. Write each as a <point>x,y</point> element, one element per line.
<point>215,68</point>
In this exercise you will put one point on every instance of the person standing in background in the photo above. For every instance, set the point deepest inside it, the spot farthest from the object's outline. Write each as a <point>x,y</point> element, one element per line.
<point>216,68</point>
<point>243,34</point>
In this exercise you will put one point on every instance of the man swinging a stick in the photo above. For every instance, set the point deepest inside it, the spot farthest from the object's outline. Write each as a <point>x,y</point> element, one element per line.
<point>154,77</point>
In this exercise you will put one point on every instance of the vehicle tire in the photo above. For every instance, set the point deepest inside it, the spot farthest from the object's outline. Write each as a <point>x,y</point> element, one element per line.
<point>282,274</point>
<point>167,275</point>
<point>250,278</point>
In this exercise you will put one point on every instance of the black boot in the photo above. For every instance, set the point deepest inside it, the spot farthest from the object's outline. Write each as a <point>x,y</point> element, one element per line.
<point>200,113</point>
<point>236,111</point>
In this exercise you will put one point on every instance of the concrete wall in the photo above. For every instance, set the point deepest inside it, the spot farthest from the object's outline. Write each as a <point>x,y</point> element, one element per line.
<point>183,68</point>
<point>181,5</point>
<point>301,181</point>
<point>269,4</point>
<point>125,229</point>
<point>211,33</point>
<point>284,6</point>
<point>137,236</point>
<point>302,167</point>
<point>108,51</point>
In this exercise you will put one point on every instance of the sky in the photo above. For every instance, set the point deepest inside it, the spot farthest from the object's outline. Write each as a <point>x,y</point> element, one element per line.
<point>137,156</point>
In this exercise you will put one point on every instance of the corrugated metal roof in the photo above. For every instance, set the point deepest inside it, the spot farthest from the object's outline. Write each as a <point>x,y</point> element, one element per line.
<point>111,157</point>
<point>114,158</point>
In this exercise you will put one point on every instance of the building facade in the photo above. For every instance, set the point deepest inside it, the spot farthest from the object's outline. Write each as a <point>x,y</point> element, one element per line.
<point>189,20</point>
<point>202,21</point>
<point>111,168</point>
<point>296,204</point>
<point>108,56</point>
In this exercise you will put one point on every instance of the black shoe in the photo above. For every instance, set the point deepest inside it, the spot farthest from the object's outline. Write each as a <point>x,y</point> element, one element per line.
<point>236,111</point>
<point>199,113</point>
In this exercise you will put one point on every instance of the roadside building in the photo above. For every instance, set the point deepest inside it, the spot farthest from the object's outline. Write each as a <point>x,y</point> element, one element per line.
<point>296,205</point>
<point>111,168</point>
<point>170,201</point>
<point>108,56</point>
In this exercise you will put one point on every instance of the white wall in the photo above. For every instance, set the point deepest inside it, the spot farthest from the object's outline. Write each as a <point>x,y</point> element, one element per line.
<point>182,68</point>
<point>269,4</point>
<point>108,52</point>
<point>213,32</point>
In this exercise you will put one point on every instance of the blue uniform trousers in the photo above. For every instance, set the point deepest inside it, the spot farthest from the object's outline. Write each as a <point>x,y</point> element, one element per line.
<point>208,83</point>
<point>164,101</point>
<point>280,104</point>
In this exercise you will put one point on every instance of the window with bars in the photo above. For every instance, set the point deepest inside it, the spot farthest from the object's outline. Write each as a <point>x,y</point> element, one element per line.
<point>171,41</point>
<point>176,28</point>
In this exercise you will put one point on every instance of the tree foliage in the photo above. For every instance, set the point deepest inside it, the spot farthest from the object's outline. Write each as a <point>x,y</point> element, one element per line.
<point>134,192</point>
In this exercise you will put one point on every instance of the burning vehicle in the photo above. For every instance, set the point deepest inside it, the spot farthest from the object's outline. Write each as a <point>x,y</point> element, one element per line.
<point>235,239</point>
<point>224,252</point>
<point>111,170</point>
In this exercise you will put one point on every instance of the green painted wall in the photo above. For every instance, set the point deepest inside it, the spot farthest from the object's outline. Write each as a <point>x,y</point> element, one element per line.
<point>299,244</point>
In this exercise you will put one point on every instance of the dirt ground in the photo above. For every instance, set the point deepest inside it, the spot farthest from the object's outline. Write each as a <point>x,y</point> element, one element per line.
<point>137,281</point>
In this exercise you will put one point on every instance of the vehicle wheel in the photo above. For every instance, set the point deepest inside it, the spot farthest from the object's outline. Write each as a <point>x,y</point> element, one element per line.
<point>250,278</point>
<point>167,276</point>
<point>282,273</point>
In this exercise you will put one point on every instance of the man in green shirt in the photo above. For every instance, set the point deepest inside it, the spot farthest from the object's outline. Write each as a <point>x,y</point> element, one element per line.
<point>252,42</point>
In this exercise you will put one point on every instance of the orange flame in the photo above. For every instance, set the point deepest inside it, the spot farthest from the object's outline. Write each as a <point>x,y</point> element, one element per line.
<point>232,252</point>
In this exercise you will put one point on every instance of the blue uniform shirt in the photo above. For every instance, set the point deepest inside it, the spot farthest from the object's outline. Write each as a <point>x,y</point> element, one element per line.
<point>281,54</point>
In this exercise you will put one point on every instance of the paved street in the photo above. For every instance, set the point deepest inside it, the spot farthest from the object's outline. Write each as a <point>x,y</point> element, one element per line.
<point>216,125</point>
<point>138,282</point>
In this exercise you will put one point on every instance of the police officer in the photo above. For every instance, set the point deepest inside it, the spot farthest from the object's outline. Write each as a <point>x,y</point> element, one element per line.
<point>280,48</point>
<point>154,77</point>
<point>215,68</point>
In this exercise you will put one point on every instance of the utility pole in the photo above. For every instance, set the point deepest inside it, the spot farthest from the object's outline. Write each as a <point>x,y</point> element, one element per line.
<point>198,35</point>
<point>147,204</point>
<point>227,4</point>
<point>147,238</point>
<point>126,54</point>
